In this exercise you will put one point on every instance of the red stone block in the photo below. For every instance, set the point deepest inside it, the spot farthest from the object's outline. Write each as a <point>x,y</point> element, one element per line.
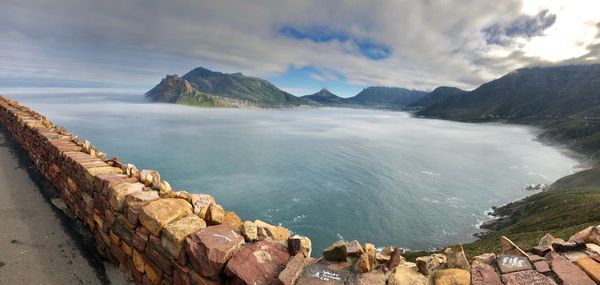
<point>118,253</point>
<point>197,279</point>
<point>568,272</point>
<point>161,258</point>
<point>181,275</point>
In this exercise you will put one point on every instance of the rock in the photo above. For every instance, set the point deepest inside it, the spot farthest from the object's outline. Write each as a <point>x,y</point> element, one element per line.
<point>531,277</point>
<point>590,267</point>
<point>354,248</point>
<point>593,248</point>
<point>428,264</point>
<point>573,256</point>
<point>542,266</point>
<point>452,277</point>
<point>486,258</point>
<point>407,275</point>
<point>174,234</point>
<point>456,257</point>
<point>233,220</point>
<point>385,254</point>
<point>534,257</point>
<point>135,202</point>
<point>365,263</point>
<point>266,230</point>
<point>395,259</point>
<point>371,278</point>
<point>249,231</point>
<point>259,263</point>
<point>118,193</point>
<point>582,235</point>
<point>569,246</point>
<point>567,272</point>
<point>200,202</point>
<point>594,236</point>
<point>146,177</point>
<point>483,273</point>
<point>507,247</point>
<point>293,269</point>
<point>540,250</point>
<point>209,249</point>
<point>300,244</point>
<point>511,263</point>
<point>548,239</point>
<point>337,251</point>
<point>156,214</point>
<point>215,214</point>
<point>325,272</point>
<point>138,261</point>
<point>369,247</point>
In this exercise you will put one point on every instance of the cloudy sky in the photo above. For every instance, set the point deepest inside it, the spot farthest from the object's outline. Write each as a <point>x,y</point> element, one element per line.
<point>302,46</point>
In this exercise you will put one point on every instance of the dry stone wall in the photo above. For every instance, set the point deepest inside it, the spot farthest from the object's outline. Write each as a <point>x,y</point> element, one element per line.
<point>156,235</point>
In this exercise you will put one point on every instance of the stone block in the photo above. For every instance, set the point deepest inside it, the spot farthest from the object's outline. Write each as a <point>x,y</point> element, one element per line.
<point>156,214</point>
<point>591,267</point>
<point>175,233</point>
<point>209,249</point>
<point>527,277</point>
<point>118,193</point>
<point>259,263</point>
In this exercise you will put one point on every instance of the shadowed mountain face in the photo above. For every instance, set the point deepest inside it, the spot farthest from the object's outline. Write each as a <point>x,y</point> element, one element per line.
<point>530,93</point>
<point>386,97</point>
<point>437,95</point>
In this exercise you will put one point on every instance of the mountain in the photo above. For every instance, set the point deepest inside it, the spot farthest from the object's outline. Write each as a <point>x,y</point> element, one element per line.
<point>437,95</point>
<point>325,97</point>
<point>210,88</point>
<point>563,100</point>
<point>386,97</point>
<point>537,93</point>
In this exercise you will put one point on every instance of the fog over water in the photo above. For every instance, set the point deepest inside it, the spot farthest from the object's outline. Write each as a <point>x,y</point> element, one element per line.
<point>370,175</point>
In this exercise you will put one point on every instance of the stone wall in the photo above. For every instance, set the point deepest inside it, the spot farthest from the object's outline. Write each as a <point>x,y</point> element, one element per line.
<point>156,235</point>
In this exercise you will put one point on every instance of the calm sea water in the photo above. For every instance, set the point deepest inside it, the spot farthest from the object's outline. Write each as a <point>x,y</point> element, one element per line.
<point>328,173</point>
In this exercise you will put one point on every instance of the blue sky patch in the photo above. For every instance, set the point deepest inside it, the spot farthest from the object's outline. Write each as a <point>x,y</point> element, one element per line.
<point>370,49</point>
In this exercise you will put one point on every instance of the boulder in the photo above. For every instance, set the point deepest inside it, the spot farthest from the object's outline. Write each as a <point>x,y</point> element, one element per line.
<point>590,267</point>
<point>266,230</point>
<point>249,231</point>
<point>385,254</point>
<point>326,273</point>
<point>293,269</point>
<point>429,264</point>
<point>548,239</point>
<point>233,220</point>
<point>511,263</point>
<point>483,273</point>
<point>209,249</point>
<point>369,247</point>
<point>452,277</point>
<point>395,259</point>
<point>370,278</point>
<point>527,277</point>
<point>146,177</point>
<point>156,214</point>
<point>174,234</point>
<point>300,244</point>
<point>569,246</point>
<point>118,193</point>
<point>354,248</point>
<point>507,247</point>
<point>594,236</point>
<point>365,263</point>
<point>582,235</point>
<point>456,257</point>
<point>135,202</point>
<point>487,258</point>
<point>215,214</point>
<point>337,251</point>
<point>568,272</point>
<point>407,275</point>
<point>200,202</point>
<point>259,263</point>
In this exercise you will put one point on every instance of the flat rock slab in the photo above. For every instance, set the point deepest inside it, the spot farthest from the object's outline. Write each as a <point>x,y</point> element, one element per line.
<point>258,264</point>
<point>325,272</point>
<point>510,263</point>
<point>371,278</point>
<point>156,214</point>
<point>591,267</point>
<point>209,249</point>
<point>542,266</point>
<point>452,277</point>
<point>484,274</point>
<point>293,269</point>
<point>568,272</point>
<point>528,277</point>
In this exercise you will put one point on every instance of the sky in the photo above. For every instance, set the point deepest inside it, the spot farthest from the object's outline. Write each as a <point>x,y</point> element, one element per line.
<point>301,46</point>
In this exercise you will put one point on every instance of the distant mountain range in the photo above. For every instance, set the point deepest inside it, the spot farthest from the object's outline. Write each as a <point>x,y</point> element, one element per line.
<point>203,87</point>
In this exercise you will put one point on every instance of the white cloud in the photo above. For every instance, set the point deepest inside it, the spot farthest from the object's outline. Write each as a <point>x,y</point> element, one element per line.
<point>432,43</point>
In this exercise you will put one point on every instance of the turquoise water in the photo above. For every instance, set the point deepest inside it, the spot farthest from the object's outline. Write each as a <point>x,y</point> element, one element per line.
<point>370,175</point>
